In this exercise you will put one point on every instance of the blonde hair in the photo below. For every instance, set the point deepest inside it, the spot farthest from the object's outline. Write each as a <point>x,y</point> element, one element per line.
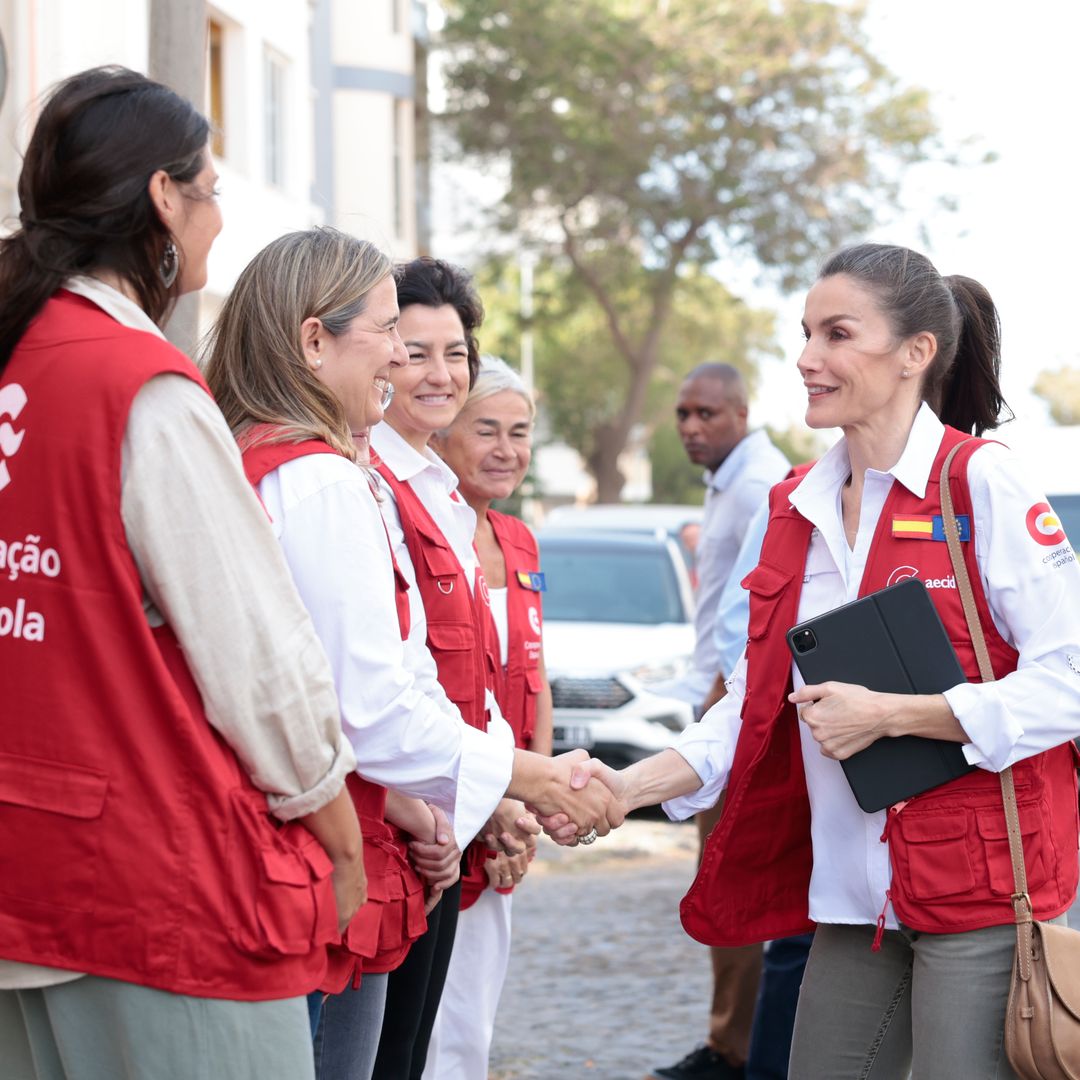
<point>254,357</point>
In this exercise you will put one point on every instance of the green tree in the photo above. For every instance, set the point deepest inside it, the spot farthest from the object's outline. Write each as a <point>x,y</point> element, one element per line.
<point>647,138</point>
<point>1061,391</point>
<point>580,374</point>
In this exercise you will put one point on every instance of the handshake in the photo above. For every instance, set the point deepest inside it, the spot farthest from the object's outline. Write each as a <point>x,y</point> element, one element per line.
<point>578,798</point>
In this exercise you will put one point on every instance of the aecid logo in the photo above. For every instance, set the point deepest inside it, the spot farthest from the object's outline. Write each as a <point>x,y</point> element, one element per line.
<point>12,402</point>
<point>902,573</point>
<point>1044,526</point>
<point>534,620</point>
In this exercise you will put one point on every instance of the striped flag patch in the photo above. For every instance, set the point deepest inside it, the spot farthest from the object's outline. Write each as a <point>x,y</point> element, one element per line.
<point>920,527</point>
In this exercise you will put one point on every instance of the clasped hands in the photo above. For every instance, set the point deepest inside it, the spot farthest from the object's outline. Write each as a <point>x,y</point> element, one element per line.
<point>588,796</point>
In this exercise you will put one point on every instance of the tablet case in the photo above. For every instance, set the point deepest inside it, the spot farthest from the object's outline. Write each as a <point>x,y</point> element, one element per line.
<point>891,641</point>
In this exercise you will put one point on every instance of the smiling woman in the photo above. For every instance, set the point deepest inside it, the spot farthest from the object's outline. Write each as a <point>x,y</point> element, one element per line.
<point>910,968</point>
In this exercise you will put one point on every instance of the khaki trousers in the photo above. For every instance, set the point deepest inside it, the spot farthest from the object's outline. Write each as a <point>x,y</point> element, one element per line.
<point>736,974</point>
<point>933,1004</point>
<point>103,1029</point>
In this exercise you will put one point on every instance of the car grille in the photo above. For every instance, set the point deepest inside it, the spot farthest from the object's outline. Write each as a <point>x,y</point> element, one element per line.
<point>567,693</point>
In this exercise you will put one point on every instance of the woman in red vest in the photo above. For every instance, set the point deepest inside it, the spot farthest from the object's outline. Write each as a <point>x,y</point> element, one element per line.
<point>300,360</point>
<point>489,447</point>
<point>174,829</point>
<point>911,961</point>
<point>440,312</point>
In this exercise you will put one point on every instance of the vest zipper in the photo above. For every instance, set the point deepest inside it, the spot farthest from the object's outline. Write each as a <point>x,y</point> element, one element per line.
<point>890,818</point>
<point>880,932</point>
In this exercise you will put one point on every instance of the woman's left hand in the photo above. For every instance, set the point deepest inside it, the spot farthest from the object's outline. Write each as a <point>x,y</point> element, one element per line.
<point>842,717</point>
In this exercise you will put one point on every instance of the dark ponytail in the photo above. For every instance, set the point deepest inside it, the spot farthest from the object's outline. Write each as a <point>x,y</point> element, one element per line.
<point>970,389</point>
<point>83,192</point>
<point>962,384</point>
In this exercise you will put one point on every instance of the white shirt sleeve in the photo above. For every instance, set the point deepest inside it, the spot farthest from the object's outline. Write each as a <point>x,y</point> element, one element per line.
<point>709,748</point>
<point>406,733</point>
<point>1033,590</point>
<point>209,565</point>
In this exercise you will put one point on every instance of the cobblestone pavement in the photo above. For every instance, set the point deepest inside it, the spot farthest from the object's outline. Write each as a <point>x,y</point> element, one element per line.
<point>603,981</point>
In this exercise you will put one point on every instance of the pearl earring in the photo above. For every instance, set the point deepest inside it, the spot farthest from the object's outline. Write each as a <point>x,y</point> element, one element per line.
<point>317,363</point>
<point>905,374</point>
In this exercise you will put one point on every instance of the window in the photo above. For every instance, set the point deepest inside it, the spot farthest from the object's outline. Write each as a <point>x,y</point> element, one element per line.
<point>215,90</point>
<point>274,135</point>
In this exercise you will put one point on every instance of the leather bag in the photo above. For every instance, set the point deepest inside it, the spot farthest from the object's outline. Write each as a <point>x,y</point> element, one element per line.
<point>1042,1018</point>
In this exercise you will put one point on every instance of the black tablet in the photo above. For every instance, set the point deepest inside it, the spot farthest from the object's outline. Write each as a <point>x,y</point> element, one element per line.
<point>891,641</point>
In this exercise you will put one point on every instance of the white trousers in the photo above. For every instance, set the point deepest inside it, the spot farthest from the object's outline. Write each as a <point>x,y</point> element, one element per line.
<point>461,1037</point>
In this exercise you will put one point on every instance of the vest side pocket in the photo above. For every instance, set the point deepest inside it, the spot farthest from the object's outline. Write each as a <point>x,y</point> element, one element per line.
<point>994,834</point>
<point>930,854</point>
<point>453,647</point>
<point>283,900</point>
<point>50,821</point>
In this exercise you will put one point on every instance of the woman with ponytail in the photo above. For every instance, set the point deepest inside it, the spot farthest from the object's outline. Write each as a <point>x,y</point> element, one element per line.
<point>911,962</point>
<point>177,846</point>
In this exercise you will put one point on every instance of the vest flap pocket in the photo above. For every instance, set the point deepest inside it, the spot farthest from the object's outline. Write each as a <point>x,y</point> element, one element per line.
<point>533,680</point>
<point>995,837</point>
<point>71,790</point>
<point>926,830</point>
<point>288,868</point>
<point>992,824</point>
<point>766,580</point>
<point>930,854</point>
<point>766,585</point>
<point>439,557</point>
<point>451,637</point>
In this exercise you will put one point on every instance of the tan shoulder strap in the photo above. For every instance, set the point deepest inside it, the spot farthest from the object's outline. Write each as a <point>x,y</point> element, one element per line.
<point>1021,901</point>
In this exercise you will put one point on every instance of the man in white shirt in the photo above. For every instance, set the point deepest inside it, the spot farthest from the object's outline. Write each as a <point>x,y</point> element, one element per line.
<point>741,466</point>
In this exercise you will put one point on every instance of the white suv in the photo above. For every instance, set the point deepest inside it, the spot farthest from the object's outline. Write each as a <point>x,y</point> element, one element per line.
<point>618,618</point>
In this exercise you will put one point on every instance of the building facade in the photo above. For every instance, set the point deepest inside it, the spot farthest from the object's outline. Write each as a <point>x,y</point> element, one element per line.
<point>316,105</point>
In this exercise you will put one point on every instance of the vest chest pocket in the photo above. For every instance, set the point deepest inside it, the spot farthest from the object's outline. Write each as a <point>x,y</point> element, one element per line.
<point>51,822</point>
<point>930,854</point>
<point>767,585</point>
<point>440,561</point>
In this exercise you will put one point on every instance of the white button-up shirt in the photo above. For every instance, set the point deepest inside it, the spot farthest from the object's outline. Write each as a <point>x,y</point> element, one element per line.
<point>1034,600</point>
<point>735,491</point>
<point>407,734</point>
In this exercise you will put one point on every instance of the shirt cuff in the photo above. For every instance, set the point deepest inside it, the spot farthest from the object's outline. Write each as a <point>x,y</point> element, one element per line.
<point>289,807</point>
<point>483,777</point>
<point>993,731</point>
<point>706,796</point>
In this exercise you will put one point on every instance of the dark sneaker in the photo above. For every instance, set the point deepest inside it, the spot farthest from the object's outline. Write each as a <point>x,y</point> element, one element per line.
<point>704,1063</point>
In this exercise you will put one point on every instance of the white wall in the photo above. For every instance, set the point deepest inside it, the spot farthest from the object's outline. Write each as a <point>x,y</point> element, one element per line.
<point>48,40</point>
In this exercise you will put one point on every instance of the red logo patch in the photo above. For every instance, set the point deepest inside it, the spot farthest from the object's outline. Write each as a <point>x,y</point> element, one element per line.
<point>1044,525</point>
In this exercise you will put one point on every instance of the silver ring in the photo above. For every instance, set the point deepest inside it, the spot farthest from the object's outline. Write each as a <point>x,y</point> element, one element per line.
<point>587,838</point>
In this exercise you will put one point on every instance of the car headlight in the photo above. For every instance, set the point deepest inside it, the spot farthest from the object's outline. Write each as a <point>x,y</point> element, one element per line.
<point>650,673</point>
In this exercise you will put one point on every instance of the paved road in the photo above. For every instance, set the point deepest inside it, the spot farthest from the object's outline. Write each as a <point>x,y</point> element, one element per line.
<point>603,982</point>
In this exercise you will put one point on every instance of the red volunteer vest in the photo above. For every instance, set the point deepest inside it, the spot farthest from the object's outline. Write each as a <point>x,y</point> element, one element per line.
<point>516,691</point>
<point>455,628</point>
<point>459,633</point>
<point>380,933</point>
<point>518,684</point>
<point>135,845</point>
<point>948,847</point>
